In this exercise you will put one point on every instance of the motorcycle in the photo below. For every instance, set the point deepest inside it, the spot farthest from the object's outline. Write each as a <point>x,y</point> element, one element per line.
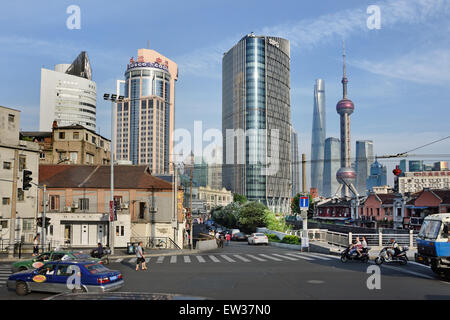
<point>401,257</point>
<point>345,255</point>
<point>104,258</point>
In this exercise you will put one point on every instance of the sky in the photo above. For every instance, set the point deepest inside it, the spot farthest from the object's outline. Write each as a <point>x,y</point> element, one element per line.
<point>398,74</point>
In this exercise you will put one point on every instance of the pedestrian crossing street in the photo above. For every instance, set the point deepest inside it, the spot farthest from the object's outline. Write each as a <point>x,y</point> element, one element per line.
<point>5,271</point>
<point>233,258</point>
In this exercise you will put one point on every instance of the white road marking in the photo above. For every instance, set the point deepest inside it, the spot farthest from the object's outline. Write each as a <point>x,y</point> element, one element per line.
<point>419,264</point>
<point>187,259</point>
<point>160,259</point>
<point>119,260</point>
<point>318,256</point>
<point>407,271</point>
<point>200,259</point>
<point>269,257</point>
<point>255,257</point>
<point>241,258</point>
<point>147,260</point>
<point>173,259</point>
<point>284,257</point>
<point>298,255</point>
<point>227,258</point>
<point>214,259</point>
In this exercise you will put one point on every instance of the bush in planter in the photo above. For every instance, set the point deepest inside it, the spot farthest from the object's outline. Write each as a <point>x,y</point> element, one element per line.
<point>273,237</point>
<point>291,240</point>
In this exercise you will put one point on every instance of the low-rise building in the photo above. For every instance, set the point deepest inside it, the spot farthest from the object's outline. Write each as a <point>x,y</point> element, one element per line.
<point>417,181</point>
<point>215,197</point>
<point>378,209</point>
<point>18,207</point>
<point>78,199</point>
<point>73,144</point>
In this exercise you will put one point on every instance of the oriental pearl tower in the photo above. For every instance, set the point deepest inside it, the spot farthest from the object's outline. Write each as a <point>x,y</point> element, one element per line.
<point>346,175</point>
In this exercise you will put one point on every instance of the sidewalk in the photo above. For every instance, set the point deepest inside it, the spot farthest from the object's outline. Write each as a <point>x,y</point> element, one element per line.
<point>118,254</point>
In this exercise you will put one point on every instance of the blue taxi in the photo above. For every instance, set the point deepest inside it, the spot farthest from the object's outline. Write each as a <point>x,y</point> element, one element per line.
<point>66,276</point>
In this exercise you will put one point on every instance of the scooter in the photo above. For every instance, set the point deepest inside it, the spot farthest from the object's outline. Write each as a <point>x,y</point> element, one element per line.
<point>401,257</point>
<point>345,255</point>
<point>104,259</point>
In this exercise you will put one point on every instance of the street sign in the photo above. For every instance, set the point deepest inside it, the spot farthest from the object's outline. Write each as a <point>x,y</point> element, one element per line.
<point>304,202</point>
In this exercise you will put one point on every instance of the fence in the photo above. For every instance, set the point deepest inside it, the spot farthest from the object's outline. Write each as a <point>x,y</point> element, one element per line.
<point>20,248</point>
<point>156,242</point>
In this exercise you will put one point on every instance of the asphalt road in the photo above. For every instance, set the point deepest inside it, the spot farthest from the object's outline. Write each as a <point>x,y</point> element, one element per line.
<point>240,271</point>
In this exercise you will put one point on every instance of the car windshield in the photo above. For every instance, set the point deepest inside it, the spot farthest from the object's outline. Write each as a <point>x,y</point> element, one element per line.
<point>80,255</point>
<point>95,268</point>
<point>430,229</point>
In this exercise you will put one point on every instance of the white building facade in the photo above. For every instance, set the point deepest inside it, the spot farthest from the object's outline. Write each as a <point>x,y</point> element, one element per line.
<point>68,95</point>
<point>417,181</point>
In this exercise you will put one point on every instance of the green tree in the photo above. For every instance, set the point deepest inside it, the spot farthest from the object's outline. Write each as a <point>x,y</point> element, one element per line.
<point>239,198</point>
<point>251,216</point>
<point>273,223</point>
<point>295,204</point>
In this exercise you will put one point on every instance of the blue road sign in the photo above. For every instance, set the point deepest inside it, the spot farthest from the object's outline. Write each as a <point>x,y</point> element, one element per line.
<point>304,202</point>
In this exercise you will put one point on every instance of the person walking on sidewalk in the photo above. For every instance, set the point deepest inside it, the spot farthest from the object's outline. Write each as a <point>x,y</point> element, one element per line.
<point>36,244</point>
<point>228,237</point>
<point>140,257</point>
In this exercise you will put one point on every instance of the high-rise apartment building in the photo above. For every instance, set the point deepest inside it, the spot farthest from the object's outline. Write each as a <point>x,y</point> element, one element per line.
<point>295,164</point>
<point>256,110</point>
<point>68,95</point>
<point>440,166</point>
<point>415,165</point>
<point>332,163</point>
<point>318,136</point>
<point>145,118</point>
<point>364,159</point>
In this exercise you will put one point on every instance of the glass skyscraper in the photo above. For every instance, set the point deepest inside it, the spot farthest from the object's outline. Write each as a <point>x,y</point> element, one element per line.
<point>318,136</point>
<point>378,176</point>
<point>256,110</point>
<point>295,163</point>
<point>145,119</point>
<point>364,158</point>
<point>331,165</point>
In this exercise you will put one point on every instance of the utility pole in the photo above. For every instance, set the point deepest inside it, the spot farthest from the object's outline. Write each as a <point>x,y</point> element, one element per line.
<point>190,222</point>
<point>304,212</point>
<point>12,223</point>
<point>43,218</point>
<point>304,173</point>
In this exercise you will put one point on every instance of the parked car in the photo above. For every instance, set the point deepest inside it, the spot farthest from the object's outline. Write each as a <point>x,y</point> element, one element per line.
<point>40,260</point>
<point>240,236</point>
<point>258,238</point>
<point>54,277</point>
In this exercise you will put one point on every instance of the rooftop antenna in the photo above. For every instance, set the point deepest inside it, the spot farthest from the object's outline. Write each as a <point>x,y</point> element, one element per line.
<point>148,44</point>
<point>344,76</point>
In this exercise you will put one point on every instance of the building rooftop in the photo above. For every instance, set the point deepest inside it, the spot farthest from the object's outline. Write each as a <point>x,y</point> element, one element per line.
<point>98,176</point>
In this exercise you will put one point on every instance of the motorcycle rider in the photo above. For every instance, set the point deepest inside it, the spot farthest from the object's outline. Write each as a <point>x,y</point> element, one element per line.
<point>355,247</point>
<point>393,249</point>
<point>98,252</point>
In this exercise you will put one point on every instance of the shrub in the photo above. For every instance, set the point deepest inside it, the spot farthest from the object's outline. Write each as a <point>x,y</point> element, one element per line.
<point>291,240</point>
<point>273,237</point>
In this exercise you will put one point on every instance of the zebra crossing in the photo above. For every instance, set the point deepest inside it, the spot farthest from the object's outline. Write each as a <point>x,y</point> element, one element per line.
<point>232,258</point>
<point>5,271</point>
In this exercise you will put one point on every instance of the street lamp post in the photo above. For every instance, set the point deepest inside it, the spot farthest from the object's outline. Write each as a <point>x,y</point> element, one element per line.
<point>113,98</point>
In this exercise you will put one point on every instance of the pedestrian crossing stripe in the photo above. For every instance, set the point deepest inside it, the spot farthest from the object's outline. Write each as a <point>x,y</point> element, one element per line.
<point>200,259</point>
<point>317,256</point>
<point>227,258</point>
<point>270,257</point>
<point>160,259</point>
<point>281,256</point>
<point>256,258</point>
<point>132,260</point>
<point>173,259</point>
<point>187,259</point>
<point>119,260</point>
<point>299,256</point>
<point>241,258</point>
<point>213,258</point>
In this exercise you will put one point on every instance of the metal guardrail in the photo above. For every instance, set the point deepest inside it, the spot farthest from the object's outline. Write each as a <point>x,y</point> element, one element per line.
<point>156,242</point>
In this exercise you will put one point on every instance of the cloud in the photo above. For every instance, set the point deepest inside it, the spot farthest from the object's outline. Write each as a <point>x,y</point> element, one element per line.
<point>418,66</point>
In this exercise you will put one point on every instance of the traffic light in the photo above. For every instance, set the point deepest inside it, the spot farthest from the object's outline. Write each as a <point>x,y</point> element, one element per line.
<point>27,179</point>
<point>39,222</point>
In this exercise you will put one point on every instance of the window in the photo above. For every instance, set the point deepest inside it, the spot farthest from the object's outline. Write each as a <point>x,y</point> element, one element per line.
<point>27,224</point>
<point>120,231</point>
<point>117,201</point>
<point>89,158</point>
<point>94,139</point>
<point>73,157</point>
<point>20,195</point>
<point>54,202</point>
<point>83,204</point>
<point>87,137</point>
<point>10,118</point>
<point>5,201</point>
<point>4,224</point>
<point>63,270</point>
<point>62,135</point>
<point>61,156</point>
<point>76,135</point>
<point>42,155</point>
<point>141,210</point>
<point>6,165</point>
<point>22,163</point>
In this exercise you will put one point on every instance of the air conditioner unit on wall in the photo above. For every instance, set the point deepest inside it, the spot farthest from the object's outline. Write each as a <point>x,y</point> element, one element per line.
<point>75,205</point>
<point>153,209</point>
<point>124,206</point>
<point>67,209</point>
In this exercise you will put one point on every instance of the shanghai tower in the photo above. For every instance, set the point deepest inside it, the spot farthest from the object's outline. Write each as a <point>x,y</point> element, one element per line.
<point>346,174</point>
<point>318,136</point>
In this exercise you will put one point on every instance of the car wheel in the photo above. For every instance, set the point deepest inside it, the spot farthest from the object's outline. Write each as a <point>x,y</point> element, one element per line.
<point>80,290</point>
<point>21,288</point>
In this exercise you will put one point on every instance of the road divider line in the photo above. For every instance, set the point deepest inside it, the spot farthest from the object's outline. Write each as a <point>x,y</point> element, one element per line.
<point>285,257</point>
<point>200,259</point>
<point>227,258</point>
<point>173,259</point>
<point>255,257</point>
<point>270,257</point>
<point>241,258</point>
<point>213,258</point>
<point>160,259</point>
<point>187,259</point>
